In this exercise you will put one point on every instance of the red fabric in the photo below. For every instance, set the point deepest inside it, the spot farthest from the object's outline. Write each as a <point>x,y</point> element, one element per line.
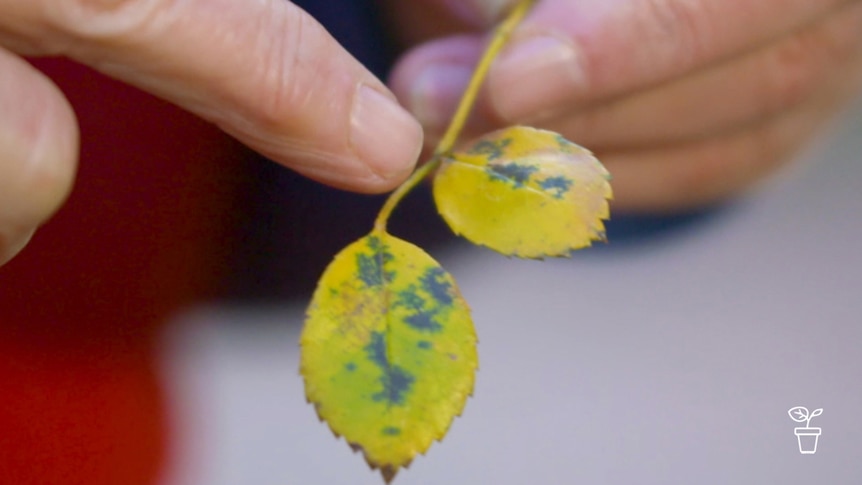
<point>144,233</point>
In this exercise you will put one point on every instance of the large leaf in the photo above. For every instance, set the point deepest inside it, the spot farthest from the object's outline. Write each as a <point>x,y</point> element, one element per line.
<point>524,192</point>
<point>388,350</point>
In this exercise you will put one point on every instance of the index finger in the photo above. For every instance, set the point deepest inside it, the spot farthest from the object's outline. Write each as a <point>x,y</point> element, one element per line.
<point>264,71</point>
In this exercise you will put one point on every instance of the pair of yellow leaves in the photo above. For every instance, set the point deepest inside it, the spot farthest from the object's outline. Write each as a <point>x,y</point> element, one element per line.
<point>389,349</point>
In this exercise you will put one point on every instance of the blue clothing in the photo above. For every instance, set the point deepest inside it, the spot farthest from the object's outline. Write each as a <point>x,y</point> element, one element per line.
<point>356,25</point>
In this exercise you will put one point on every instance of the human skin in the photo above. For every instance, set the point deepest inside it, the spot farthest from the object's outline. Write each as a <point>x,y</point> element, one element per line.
<point>263,71</point>
<point>687,102</point>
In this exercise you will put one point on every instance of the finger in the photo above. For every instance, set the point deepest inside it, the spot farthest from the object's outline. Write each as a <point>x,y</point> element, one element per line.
<point>38,151</point>
<point>576,52</point>
<point>569,54</point>
<point>264,71</point>
<point>432,93</point>
<point>744,91</point>
<point>694,174</point>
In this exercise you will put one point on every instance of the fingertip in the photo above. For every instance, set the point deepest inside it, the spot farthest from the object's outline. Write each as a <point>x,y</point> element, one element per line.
<point>38,151</point>
<point>385,137</point>
<point>431,78</point>
<point>375,151</point>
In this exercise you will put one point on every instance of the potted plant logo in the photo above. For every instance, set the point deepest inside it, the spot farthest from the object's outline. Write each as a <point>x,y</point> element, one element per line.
<point>807,436</point>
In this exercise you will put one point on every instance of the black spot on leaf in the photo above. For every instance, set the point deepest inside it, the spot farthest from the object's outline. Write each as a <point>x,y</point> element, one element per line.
<point>396,381</point>
<point>369,272</point>
<point>492,149</point>
<point>391,431</point>
<point>559,185</point>
<point>421,318</point>
<point>424,345</point>
<point>434,282</point>
<point>409,298</point>
<point>423,321</point>
<point>372,266</point>
<point>512,172</point>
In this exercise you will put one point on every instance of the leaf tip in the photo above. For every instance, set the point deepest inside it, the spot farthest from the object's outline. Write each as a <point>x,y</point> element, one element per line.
<point>388,472</point>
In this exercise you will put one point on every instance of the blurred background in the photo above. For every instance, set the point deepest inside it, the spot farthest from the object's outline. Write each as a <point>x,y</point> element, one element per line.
<point>667,359</point>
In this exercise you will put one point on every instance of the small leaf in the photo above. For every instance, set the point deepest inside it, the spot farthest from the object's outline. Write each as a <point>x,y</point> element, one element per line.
<point>815,413</point>
<point>524,192</point>
<point>798,414</point>
<point>388,350</point>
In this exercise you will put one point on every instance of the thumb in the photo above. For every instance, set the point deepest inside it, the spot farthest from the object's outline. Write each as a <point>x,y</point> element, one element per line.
<point>265,72</point>
<point>38,151</point>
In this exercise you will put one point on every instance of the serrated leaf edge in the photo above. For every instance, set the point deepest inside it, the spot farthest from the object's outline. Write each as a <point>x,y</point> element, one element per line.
<point>388,470</point>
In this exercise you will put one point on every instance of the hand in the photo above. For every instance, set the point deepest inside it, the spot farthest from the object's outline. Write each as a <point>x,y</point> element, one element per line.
<point>687,102</point>
<point>265,72</point>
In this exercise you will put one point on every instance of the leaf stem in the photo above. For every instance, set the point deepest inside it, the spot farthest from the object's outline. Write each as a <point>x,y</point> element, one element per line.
<point>501,35</point>
<point>468,99</point>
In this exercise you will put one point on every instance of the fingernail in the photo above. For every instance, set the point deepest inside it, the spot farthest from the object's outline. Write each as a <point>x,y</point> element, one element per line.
<point>533,77</point>
<point>383,134</point>
<point>436,92</point>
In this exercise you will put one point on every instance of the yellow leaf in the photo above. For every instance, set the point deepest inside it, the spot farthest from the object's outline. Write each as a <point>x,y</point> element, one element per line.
<point>388,350</point>
<point>524,192</point>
